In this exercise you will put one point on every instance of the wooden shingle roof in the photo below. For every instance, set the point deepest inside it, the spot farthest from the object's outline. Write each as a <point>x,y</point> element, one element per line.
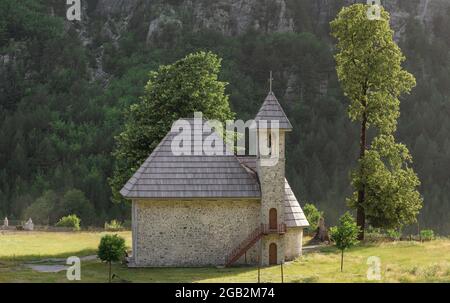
<point>293,213</point>
<point>166,175</point>
<point>271,110</point>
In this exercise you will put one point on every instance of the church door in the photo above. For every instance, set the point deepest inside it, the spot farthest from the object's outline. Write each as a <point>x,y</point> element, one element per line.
<point>272,254</point>
<point>273,219</point>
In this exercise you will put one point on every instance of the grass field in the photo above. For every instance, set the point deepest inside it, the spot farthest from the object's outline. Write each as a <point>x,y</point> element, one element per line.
<point>400,262</point>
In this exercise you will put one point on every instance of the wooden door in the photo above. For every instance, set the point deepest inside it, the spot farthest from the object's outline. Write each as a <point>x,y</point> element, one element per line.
<point>272,254</point>
<point>273,219</point>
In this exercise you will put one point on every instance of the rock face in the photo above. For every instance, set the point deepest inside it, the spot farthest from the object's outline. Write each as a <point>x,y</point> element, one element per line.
<point>233,17</point>
<point>110,19</point>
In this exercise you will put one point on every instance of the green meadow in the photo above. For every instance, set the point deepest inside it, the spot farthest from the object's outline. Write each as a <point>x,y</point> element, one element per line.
<point>402,261</point>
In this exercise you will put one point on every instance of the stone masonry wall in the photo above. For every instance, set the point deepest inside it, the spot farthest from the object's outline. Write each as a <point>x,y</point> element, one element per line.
<point>192,232</point>
<point>293,243</point>
<point>272,196</point>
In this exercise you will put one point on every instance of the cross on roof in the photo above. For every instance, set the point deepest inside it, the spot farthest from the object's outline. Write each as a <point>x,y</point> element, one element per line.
<point>270,81</point>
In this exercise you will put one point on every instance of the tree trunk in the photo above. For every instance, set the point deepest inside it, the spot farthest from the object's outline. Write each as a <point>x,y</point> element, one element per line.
<point>360,215</point>
<point>321,232</point>
<point>342,260</point>
<point>109,272</point>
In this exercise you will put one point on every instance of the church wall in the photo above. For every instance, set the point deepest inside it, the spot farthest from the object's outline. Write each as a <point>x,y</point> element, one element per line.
<point>293,243</point>
<point>192,232</point>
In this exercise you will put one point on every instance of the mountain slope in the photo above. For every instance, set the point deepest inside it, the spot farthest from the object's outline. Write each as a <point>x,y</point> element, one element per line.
<point>65,90</point>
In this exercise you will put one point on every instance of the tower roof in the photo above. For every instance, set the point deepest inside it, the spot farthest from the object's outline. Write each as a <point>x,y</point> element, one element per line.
<point>271,110</point>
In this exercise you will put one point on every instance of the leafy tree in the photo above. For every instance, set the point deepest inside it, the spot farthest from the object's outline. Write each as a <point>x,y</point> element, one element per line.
<point>69,221</point>
<point>312,215</point>
<point>41,210</point>
<point>111,249</point>
<point>345,235</point>
<point>174,91</point>
<point>427,235</point>
<point>391,199</point>
<point>370,72</point>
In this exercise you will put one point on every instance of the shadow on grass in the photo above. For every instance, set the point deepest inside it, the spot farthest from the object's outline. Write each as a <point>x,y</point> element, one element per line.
<point>332,249</point>
<point>95,271</point>
<point>36,257</point>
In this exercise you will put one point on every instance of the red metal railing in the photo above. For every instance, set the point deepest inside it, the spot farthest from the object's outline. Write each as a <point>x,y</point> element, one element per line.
<point>281,229</point>
<point>257,234</point>
<point>244,245</point>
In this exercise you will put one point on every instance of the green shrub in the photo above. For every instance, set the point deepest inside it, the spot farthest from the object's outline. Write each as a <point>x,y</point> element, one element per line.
<point>312,215</point>
<point>427,235</point>
<point>114,225</point>
<point>393,234</point>
<point>373,235</point>
<point>69,221</point>
<point>111,249</point>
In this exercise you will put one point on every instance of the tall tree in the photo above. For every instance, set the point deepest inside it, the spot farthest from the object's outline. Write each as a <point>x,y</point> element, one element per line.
<point>370,72</point>
<point>174,91</point>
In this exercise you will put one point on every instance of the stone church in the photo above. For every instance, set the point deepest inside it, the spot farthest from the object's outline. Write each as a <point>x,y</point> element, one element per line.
<point>211,210</point>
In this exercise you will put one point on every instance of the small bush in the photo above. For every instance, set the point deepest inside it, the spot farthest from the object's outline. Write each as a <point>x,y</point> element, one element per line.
<point>111,249</point>
<point>427,235</point>
<point>393,234</point>
<point>374,235</point>
<point>114,225</point>
<point>312,215</point>
<point>69,221</point>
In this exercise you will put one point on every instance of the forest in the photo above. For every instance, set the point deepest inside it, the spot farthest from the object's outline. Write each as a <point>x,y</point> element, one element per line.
<point>59,118</point>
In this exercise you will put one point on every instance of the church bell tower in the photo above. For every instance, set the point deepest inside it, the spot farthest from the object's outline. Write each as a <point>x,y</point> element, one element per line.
<point>272,125</point>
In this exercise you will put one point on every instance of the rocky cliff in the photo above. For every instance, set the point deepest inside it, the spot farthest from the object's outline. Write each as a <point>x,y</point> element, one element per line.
<point>150,19</point>
<point>233,17</point>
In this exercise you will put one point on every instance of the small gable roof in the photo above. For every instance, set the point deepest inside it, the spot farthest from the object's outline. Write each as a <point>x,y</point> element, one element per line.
<point>271,110</point>
<point>166,175</point>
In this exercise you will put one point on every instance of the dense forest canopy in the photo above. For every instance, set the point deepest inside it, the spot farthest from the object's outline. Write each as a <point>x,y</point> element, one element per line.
<point>65,86</point>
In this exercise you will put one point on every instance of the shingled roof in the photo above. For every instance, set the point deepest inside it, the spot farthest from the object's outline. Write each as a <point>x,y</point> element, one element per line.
<point>293,213</point>
<point>165,175</point>
<point>271,110</point>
